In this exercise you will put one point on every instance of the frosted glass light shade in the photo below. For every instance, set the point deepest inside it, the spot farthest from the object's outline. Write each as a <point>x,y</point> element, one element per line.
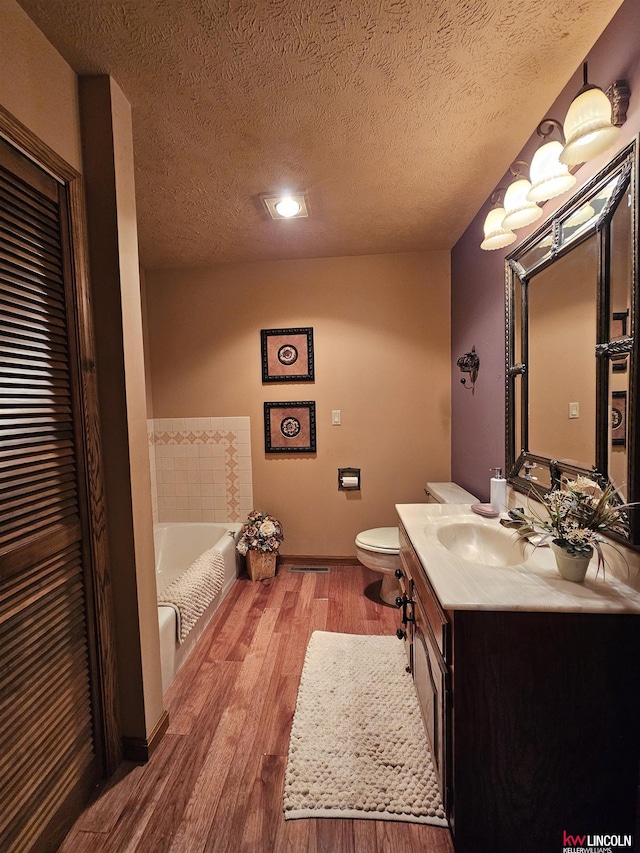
<point>519,211</point>
<point>588,127</point>
<point>549,177</point>
<point>495,236</point>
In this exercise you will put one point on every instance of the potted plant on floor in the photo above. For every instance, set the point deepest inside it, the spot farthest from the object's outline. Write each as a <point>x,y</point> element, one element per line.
<point>260,538</point>
<point>577,516</point>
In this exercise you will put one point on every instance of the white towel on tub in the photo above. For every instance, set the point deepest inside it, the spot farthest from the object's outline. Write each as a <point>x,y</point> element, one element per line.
<point>194,590</point>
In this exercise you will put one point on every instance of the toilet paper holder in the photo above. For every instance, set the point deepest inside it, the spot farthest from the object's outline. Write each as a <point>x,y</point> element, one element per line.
<point>349,479</point>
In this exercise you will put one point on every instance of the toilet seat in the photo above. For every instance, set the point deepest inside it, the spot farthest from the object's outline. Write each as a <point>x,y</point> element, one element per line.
<point>383,540</point>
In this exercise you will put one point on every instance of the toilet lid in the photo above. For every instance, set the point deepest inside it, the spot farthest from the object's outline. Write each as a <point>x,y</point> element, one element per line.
<point>383,539</point>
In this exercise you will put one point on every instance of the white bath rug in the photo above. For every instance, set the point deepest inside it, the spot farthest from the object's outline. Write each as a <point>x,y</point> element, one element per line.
<point>358,748</point>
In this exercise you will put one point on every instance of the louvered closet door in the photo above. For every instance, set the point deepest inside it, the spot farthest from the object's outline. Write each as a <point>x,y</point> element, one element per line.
<point>47,750</point>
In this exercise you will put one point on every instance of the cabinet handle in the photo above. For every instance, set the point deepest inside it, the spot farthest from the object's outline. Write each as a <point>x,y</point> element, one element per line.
<point>403,601</point>
<point>401,634</point>
<point>399,573</point>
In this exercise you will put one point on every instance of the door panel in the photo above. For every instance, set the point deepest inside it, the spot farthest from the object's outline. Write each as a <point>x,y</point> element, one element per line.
<point>49,751</point>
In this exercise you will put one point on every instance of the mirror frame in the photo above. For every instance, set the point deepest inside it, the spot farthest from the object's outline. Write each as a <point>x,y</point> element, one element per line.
<point>624,166</point>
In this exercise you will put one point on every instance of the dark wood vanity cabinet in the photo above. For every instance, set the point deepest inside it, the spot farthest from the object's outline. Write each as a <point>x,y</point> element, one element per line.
<point>533,718</point>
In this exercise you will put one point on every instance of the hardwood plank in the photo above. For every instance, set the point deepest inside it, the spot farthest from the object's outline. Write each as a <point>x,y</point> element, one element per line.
<point>306,595</point>
<point>402,837</point>
<point>235,801</point>
<point>265,815</point>
<point>233,637</point>
<point>323,582</point>
<point>193,828</point>
<point>200,689</point>
<point>296,836</point>
<point>333,835</point>
<point>238,721</point>
<point>286,611</point>
<point>127,801</point>
<point>319,614</point>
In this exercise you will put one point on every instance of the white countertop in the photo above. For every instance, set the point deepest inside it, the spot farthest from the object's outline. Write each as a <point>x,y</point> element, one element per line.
<point>531,585</point>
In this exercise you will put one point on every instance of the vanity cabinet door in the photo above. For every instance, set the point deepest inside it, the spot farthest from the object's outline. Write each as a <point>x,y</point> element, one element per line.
<point>434,614</point>
<point>432,682</point>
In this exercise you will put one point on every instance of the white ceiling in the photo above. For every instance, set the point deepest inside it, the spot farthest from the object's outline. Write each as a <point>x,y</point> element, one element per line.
<point>398,117</point>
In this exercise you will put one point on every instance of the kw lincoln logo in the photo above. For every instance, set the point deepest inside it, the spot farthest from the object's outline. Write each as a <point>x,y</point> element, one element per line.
<point>595,843</point>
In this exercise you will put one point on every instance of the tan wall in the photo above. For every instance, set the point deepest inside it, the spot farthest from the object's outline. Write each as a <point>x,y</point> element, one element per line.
<point>382,352</point>
<point>40,89</point>
<point>36,84</point>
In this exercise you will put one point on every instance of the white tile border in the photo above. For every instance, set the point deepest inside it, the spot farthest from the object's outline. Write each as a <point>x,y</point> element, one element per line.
<point>200,469</point>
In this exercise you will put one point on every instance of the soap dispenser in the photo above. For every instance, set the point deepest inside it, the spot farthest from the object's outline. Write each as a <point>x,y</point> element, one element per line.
<point>498,491</point>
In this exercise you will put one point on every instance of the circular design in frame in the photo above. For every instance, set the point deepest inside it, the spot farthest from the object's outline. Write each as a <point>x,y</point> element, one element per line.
<point>287,354</point>
<point>616,418</point>
<point>290,427</point>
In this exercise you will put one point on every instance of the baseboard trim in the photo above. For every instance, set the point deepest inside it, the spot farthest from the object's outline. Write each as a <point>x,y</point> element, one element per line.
<point>141,749</point>
<point>306,560</point>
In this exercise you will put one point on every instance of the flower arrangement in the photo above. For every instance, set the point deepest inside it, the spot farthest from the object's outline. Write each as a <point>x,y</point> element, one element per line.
<point>577,516</point>
<point>260,532</point>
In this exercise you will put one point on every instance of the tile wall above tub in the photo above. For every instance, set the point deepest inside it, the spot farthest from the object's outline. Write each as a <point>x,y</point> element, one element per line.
<point>200,469</point>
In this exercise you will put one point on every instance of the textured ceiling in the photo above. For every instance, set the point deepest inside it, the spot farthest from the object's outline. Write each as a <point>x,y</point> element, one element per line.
<point>397,116</point>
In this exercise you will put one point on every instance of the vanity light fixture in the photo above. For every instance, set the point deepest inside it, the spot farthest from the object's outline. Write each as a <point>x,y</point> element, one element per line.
<point>518,209</point>
<point>549,177</point>
<point>589,126</point>
<point>496,236</point>
<point>288,205</point>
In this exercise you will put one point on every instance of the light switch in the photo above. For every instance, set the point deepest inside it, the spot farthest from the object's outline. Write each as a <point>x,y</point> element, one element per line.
<point>574,410</point>
<point>336,417</point>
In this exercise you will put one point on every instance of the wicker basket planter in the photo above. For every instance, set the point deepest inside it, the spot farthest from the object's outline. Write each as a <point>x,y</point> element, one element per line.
<point>261,564</point>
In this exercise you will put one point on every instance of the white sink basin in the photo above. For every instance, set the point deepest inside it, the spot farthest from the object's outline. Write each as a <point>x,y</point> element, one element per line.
<point>479,543</point>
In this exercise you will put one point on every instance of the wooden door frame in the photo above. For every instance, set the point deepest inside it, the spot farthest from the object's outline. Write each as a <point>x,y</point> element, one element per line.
<point>97,578</point>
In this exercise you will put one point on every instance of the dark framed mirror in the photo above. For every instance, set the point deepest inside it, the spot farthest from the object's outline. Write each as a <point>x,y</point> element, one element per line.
<point>571,343</point>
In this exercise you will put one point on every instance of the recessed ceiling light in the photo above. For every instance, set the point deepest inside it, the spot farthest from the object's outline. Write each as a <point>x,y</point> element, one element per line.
<point>286,206</point>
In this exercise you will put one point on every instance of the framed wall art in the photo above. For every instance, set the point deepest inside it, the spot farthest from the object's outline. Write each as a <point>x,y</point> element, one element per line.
<point>290,427</point>
<point>287,355</point>
<point>619,418</point>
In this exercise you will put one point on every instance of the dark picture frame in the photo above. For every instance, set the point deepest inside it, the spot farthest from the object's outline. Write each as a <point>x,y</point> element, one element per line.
<point>287,355</point>
<point>619,418</point>
<point>290,427</point>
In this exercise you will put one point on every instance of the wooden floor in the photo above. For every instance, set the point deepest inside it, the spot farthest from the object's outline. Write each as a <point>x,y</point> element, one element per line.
<point>215,782</point>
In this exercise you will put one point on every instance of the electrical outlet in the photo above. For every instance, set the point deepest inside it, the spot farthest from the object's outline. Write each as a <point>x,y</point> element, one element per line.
<point>336,417</point>
<point>574,410</point>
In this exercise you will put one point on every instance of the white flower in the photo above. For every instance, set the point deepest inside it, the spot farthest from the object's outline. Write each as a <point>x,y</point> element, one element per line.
<point>267,528</point>
<point>242,546</point>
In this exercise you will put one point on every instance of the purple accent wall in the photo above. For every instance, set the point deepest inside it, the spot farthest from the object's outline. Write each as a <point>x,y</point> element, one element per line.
<point>477,276</point>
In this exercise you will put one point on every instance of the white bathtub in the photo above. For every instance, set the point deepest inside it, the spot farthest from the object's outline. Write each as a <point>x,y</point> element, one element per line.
<point>177,546</point>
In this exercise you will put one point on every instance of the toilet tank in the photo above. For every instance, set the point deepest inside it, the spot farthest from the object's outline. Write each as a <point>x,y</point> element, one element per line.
<point>448,493</point>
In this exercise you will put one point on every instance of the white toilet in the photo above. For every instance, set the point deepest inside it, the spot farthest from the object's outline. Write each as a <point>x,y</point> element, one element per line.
<point>378,549</point>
